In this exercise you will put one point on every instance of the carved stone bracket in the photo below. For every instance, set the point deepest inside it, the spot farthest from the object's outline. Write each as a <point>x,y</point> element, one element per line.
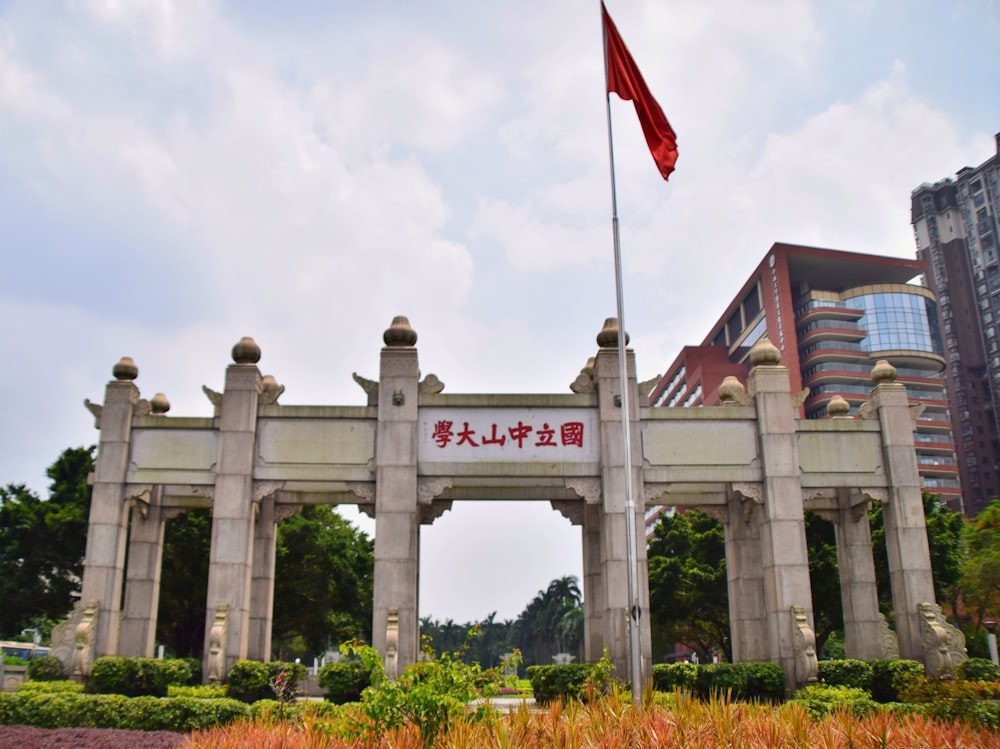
<point>270,390</point>
<point>217,645</point>
<point>800,397</point>
<point>890,643</point>
<point>367,508</point>
<point>264,489</point>
<point>429,488</point>
<point>203,491</point>
<point>942,643</point>
<point>806,662</point>
<point>570,509</point>
<point>285,511</point>
<point>83,649</point>
<point>140,496</point>
<point>430,384</point>
<point>867,411</point>
<point>141,407</point>
<point>876,495</point>
<point>95,409</point>
<point>431,512</point>
<point>653,491</point>
<point>584,382</point>
<point>169,513</point>
<point>916,410</point>
<point>719,512</point>
<point>588,489</point>
<point>646,387</point>
<point>215,398</point>
<point>392,645</point>
<point>364,490</point>
<point>859,502</point>
<point>369,386</point>
<point>751,495</point>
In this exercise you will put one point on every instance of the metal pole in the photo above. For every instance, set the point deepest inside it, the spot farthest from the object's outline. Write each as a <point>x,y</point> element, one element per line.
<point>635,606</point>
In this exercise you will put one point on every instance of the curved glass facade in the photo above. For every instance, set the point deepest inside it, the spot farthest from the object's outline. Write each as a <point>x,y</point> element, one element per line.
<point>896,320</point>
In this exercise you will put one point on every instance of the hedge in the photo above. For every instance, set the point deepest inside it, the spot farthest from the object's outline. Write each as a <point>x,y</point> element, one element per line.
<point>135,677</point>
<point>741,681</point>
<point>67,710</point>
<point>978,669</point>
<point>344,681</point>
<point>567,681</point>
<point>249,681</point>
<point>45,668</point>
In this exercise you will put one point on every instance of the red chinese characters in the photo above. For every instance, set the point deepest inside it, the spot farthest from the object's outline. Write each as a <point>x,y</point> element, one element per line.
<point>517,436</point>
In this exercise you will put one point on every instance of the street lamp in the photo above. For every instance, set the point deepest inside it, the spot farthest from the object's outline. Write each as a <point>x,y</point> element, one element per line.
<point>991,638</point>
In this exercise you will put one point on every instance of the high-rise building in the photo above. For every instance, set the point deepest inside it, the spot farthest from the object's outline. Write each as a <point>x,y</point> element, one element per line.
<point>955,226</point>
<point>832,315</point>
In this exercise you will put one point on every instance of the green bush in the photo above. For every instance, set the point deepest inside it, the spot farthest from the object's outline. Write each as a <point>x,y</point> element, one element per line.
<point>132,677</point>
<point>272,711</point>
<point>972,702</point>
<point>344,681</point>
<point>569,681</point>
<point>890,676</point>
<point>821,699</point>
<point>147,713</point>
<point>846,672</point>
<point>45,668</point>
<point>199,692</point>
<point>978,669</point>
<point>38,687</point>
<point>250,681</point>
<point>670,676</point>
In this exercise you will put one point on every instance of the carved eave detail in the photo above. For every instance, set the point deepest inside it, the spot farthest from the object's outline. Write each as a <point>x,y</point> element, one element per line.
<point>215,398</point>
<point>429,488</point>
<point>868,411</point>
<point>570,509</point>
<point>270,391</point>
<point>652,491</point>
<point>718,512</point>
<point>430,384</point>
<point>588,489</point>
<point>284,511</point>
<point>141,407</point>
<point>916,411</point>
<point>95,409</point>
<point>751,496</point>
<point>140,496</point>
<point>264,489</point>
<point>646,387</point>
<point>431,512</point>
<point>799,398</point>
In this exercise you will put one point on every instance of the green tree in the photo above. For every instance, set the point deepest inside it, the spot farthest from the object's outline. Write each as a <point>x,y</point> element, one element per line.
<point>540,631</point>
<point>688,590</point>
<point>980,580</point>
<point>324,591</point>
<point>180,622</point>
<point>824,578</point>
<point>42,545</point>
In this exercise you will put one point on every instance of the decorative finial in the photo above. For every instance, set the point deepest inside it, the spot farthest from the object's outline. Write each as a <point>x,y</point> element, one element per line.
<point>125,369</point>
<point>608,337</point>
<point>400,333</point>
<point>764,354</point>
<point>159,404</point>
<point>246,351</point>
<point>883,371</point>
<point>838,408</point>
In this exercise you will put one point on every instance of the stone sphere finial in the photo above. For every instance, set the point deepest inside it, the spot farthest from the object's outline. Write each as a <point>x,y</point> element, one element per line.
<point>125,369</point>
<point>246,351</point>
<point>764,354</point>
<point>159,404</point>
<point>731,391</point>
<point>883,371</point>
<point>400,333</point>
<point>608,337</point>
<point>838,407</point>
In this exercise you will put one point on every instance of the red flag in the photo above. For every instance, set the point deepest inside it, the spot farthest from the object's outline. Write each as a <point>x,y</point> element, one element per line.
<point>625,80</point>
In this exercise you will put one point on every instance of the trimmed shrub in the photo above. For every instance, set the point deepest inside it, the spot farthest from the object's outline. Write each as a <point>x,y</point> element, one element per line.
<point>971,702</point>
<point>821,699</point>
<point>250,681</point>
<point>50,687</point>
<point>978,669</point>
<point>272,711</point>
<point>45,668</point>
<point>890,676</point>
<point>66,710</point>
<point>846,672</point>
<point>569,681</point>
<point>344,681</point>
<point>132,677</point>
<point>199,692</point>
<point>670,676</point>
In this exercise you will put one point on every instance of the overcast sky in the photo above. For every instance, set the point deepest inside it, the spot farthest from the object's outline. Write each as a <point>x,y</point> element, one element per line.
<point>176,175</point>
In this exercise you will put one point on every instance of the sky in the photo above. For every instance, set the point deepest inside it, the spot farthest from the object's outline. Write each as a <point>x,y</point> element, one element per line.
<point>177,175</point>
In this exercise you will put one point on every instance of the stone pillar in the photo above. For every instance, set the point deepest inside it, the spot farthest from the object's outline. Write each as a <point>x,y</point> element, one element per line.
<point>784,555</point>
<point>593,585</point>
<point>858,591</point>
<point>262,579</point>
<point>614,606</point>
<point>397,516</point>
<point>903,513</point>
<point>142,581</point>
<point>106,533</point>
<point>744,571</point>
<point>231,556</point>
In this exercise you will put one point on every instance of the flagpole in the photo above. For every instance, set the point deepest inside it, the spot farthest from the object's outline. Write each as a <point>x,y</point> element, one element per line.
<point>632,551</point>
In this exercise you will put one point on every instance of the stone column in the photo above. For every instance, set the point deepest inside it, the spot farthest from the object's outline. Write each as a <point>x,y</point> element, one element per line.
<point>231,556</point>
<point>858,591</point>
<point>744,571</point>
<point>105,559</point>
<point>784,555</point>
<point>593,585</point>
<point>903,514</point>
<point>397,516</point>
<point>142,581</point>
<point>262,575</point>
<point>614,607</point>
